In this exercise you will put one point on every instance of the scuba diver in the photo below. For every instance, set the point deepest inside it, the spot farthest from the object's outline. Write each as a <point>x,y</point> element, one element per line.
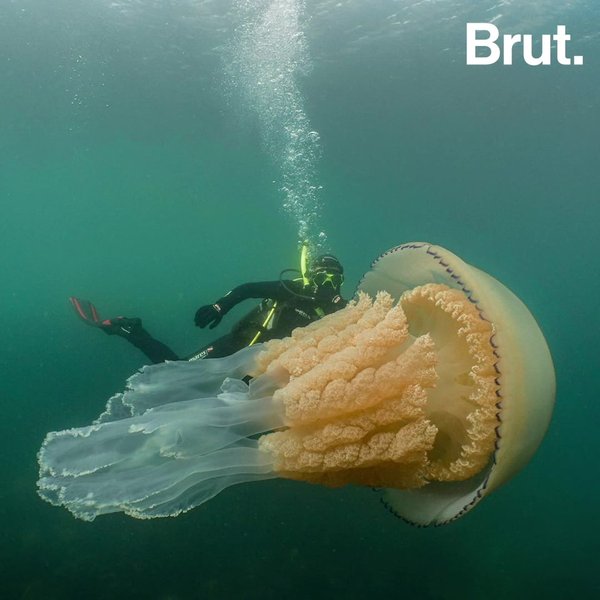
<point>286,304</point>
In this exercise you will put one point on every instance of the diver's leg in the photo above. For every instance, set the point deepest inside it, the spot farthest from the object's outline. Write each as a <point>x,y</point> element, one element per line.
<point>224,346</point>
<point>130,329</point>
<point>134,333</point>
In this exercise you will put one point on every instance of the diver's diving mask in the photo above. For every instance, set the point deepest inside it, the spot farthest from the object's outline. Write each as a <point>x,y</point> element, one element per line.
<point>321,278</point>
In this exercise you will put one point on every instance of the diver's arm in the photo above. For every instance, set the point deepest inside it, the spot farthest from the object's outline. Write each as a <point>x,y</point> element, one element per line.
<point>260,289</point>
<point>213,313</point>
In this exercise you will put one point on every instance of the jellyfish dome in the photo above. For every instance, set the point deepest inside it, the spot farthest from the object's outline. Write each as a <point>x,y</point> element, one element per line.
<point>435,385</point>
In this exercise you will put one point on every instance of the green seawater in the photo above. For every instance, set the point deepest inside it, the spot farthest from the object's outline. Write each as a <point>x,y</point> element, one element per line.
<point>134,173</point>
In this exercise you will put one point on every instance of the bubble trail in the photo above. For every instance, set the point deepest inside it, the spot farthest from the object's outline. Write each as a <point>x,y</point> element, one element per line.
<point>270,54</point>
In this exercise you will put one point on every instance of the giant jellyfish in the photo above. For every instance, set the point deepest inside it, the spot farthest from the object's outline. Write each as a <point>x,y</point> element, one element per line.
<point>435,386</point>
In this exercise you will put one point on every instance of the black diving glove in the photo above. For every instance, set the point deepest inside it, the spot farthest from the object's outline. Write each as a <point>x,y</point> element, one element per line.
<point>211,313</point>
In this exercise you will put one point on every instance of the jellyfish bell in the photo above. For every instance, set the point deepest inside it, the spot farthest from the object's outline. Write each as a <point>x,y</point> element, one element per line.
<point>434,384</point>
<point>522,362</point>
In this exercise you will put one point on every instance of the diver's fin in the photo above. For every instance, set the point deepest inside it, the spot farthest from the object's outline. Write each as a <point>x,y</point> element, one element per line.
<point>86,311</point>
<point>122,326</point>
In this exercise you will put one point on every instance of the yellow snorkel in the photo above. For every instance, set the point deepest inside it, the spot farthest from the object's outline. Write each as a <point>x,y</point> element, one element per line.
<point>304,263</point>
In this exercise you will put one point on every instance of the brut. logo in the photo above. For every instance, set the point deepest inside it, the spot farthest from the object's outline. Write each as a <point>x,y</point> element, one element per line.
<point>494,49</point>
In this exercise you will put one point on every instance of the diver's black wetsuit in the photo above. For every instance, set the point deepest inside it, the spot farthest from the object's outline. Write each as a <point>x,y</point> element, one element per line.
<point>293,304</point>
